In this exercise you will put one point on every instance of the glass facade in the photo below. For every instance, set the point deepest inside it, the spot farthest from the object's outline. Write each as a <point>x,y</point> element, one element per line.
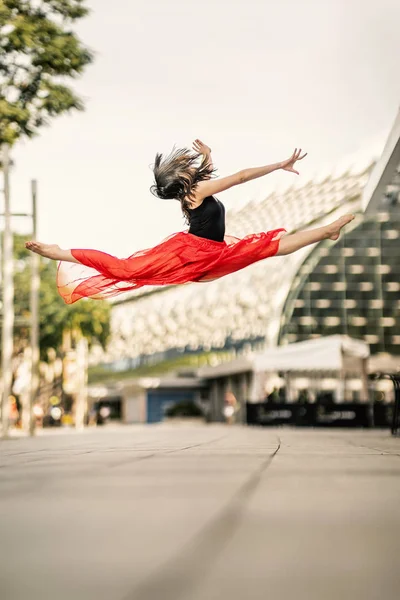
<point>350,287</point>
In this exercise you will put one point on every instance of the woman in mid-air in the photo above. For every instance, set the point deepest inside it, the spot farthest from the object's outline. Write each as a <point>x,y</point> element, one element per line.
<point>202,253</point>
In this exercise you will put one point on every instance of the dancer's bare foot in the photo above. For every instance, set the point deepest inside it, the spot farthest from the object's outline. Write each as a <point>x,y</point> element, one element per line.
<point>334,228</point>
<point>48,250</point>
<point>51,251</point>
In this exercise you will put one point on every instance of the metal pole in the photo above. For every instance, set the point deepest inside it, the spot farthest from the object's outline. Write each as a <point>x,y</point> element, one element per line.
<point>82,369</point>
<point>34,301</point>
<point>8,295</point>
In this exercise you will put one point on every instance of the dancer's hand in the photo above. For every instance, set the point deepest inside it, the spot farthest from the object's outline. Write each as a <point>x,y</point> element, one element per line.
<point>287,165</point>
<point>201,148</point>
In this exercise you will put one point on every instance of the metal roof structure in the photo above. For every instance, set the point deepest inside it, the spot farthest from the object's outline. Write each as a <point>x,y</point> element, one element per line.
<point>384,181</point>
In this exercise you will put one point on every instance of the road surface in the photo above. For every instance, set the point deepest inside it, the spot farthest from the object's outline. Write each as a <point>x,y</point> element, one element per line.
<point>179,512</point>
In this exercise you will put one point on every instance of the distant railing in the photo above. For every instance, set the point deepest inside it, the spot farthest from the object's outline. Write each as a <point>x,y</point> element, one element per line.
<point>329,414</point>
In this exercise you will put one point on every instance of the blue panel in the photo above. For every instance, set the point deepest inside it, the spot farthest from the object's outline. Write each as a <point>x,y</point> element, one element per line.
<point>159,401</point>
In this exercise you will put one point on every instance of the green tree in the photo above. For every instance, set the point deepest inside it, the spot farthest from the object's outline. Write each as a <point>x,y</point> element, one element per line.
<point>37,51</point>
<point>89,317</point>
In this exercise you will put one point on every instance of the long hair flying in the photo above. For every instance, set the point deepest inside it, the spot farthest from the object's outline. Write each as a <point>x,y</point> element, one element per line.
<point>177,175</point>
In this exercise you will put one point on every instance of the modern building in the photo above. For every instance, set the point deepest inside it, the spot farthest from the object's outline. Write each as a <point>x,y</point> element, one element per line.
<point>332,368</point>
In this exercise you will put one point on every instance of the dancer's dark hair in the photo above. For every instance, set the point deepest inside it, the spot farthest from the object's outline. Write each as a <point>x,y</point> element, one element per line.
<point>177,175</point>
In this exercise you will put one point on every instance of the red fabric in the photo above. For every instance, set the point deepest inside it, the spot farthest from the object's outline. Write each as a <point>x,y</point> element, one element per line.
<point>181,258</point>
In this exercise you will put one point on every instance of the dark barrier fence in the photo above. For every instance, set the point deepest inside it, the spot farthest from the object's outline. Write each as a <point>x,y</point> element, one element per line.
<point>395,417</point>
<point>349,414</point>
<point>396,412</point>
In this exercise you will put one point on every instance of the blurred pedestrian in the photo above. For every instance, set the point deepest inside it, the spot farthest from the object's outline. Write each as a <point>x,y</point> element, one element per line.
<point>230,407</point>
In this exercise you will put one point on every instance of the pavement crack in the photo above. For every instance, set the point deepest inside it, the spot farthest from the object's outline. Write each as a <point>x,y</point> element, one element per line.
<point>181,573</point>
<point>380,450</point>
<point>133,459</point>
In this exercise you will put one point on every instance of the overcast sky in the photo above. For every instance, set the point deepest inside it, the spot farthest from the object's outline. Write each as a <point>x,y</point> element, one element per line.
<point>253,79</point>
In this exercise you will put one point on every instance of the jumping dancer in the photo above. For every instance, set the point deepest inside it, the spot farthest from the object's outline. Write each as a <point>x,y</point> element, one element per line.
<point>202,253</point>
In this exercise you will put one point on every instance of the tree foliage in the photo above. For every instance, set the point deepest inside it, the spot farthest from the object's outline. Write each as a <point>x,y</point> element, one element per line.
<point>38,50</point>
<point>38,53</point>
<point>89,317</point>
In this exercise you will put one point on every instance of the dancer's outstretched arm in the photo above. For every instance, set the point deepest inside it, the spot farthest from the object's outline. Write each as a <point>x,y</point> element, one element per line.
<point>215,186</point>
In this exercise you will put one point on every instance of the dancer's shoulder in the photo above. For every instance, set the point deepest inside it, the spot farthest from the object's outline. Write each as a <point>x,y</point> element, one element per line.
<point>195,204</point>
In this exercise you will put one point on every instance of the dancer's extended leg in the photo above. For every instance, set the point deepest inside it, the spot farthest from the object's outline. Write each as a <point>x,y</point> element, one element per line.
<point>292,242</point>
<point>110,266</point>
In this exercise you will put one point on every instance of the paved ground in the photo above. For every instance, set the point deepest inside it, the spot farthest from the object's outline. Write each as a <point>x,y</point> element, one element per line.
<point>200,513</point>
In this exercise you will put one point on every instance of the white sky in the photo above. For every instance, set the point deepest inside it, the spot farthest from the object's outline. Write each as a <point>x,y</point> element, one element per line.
<point>253,79</point>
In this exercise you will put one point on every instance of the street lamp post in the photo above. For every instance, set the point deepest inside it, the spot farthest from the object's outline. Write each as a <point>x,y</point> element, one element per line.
<point>8,295</point>
<point>8,303</point>
<point>34,301</point>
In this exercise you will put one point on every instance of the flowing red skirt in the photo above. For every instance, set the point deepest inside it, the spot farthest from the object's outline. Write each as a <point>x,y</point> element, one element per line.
<point>181,258</point>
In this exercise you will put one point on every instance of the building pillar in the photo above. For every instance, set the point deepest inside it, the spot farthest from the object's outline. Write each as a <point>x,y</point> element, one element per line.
<point>257,385</point>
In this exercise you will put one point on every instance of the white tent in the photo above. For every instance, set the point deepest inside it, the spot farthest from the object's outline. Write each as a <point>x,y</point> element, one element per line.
<point>337,356</point>
<point>331,353</point>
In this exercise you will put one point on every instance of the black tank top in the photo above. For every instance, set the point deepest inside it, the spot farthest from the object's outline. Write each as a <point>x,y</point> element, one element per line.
<point>208,220</point>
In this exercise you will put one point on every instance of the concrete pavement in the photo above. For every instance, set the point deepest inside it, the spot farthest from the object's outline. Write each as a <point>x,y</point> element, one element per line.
<point>175,512</point>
